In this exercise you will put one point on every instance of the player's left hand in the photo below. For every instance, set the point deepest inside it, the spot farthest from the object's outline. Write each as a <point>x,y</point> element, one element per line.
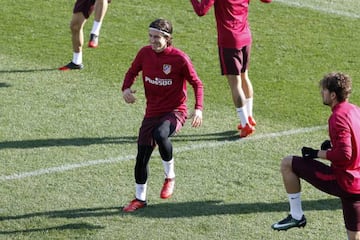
<point>196,118</point>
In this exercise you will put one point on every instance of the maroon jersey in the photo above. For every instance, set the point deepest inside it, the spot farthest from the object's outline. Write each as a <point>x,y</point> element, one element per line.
<point>165,75</point>
<point>231,21</point>
<point>344,131</point>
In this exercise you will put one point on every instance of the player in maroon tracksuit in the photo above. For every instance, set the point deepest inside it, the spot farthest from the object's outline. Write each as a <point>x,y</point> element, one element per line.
<point>342,177</point>
<point>165,73</point>
<point>234,43</point>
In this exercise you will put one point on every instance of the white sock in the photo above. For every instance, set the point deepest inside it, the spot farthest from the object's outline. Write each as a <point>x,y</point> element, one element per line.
<point>249,106</point>
<point>295,205</point>
<point>141,191</point>
<point>243,115</point>
<point>169,168</point>
<point>77,58</point>
<point>96,28</point>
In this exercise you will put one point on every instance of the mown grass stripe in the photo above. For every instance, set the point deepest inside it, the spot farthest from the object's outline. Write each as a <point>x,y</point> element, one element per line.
<point>205,145</point>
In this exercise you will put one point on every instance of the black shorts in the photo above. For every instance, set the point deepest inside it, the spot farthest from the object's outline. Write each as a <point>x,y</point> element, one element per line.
<point>322,177</point>
<point>177,120</point>
<point>85,6</point>
<point>234,61</point>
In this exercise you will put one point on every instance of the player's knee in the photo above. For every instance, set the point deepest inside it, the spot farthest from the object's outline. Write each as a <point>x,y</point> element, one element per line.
<point>75,27</point>
<point>77,21</point>
<point>159,135</point>
<point>285,164</point>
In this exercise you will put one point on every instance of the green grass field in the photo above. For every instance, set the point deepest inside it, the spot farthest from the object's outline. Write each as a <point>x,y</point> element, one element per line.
<point>68,140</point>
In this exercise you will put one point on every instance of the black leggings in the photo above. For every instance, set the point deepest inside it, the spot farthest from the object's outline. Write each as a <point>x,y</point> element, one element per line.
<point>161,135</point>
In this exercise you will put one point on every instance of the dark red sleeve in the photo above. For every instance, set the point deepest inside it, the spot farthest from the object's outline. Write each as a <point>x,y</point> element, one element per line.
<point>196,83</point>
<point>202,7</point>
<point>133,71</point>
<point>341,151</point>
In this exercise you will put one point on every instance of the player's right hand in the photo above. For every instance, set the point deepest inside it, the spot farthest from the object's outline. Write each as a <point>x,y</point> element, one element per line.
<point>128,95</point>
<point>309,153</point>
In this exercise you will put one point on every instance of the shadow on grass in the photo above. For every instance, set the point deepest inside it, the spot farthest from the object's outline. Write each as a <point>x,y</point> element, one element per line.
<point>28,70</point>
<point>71,226</point>
<point>183,209</point>
<point>71,213</point>
<point>210,208</point>
<point>2,85</point>
<point>165,210</point>
<point>60,142</point>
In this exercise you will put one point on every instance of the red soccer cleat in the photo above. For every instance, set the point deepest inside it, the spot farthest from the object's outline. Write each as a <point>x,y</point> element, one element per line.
<point>168,188</point>
<point>71,66</point>
<point>247,130</point>
<point>251,120</point>
<point>134,205</point>
<point>94,41</point>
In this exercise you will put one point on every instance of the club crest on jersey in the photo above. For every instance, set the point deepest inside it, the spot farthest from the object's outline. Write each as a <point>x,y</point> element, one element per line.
<point>166,68</point>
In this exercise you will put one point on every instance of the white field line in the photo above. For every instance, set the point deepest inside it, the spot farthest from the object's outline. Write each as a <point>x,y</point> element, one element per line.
<point>302,4</point>
<point>192,147</point>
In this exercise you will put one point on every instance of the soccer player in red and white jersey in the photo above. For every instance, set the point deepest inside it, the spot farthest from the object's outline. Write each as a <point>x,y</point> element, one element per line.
<point>81,12</point>
<point>342,177</point>
<point>234,43</point>
<point>165,73</point>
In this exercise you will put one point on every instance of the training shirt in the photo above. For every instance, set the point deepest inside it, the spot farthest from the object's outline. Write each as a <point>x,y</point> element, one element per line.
<point>344,131</point>
<point>231,20</point>
<point>164,77</point>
